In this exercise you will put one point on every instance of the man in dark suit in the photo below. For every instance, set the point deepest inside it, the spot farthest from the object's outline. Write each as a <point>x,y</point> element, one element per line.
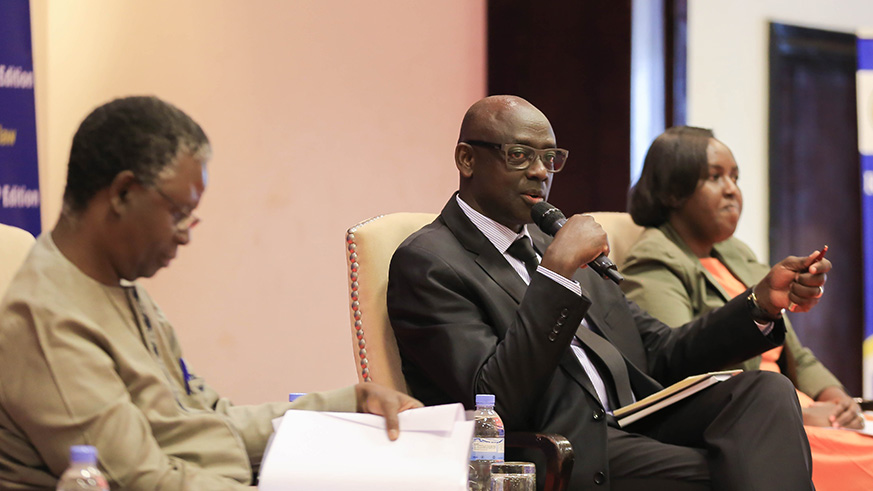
<point>561,348</point>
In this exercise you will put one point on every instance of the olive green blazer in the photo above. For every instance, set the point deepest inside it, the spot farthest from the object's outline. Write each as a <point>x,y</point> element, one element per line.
<point>666,278</point>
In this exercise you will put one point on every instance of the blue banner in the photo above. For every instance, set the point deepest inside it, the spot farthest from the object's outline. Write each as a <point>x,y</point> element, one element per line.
<point>865,146</point>
<point>19,170</point>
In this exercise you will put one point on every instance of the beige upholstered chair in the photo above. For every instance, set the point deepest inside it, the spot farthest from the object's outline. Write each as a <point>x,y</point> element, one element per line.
<point>15,243</point>
<point>622,233</point>
<point>370,245</point>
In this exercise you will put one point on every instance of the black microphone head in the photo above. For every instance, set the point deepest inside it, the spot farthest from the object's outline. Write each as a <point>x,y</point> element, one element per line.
<point>548,218</point>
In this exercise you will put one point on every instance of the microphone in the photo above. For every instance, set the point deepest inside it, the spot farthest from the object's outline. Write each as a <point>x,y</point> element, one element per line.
<point>550,219</point>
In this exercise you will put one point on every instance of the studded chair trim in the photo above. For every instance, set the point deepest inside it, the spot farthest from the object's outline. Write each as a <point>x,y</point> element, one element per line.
<point>370,245</point>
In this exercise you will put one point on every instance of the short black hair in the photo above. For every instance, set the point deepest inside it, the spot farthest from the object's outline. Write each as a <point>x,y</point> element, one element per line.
<point>674,164</point>
<point>142,134</point>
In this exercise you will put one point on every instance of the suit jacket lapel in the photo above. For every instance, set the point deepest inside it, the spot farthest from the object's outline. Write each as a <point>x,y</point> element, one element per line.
<point>586,279</point>
<point>728,256</point>
<point>671,234</point>
<point>747,272</point>
<point>570,364</point>
<point>488,257</point>
<point>590,282</point>
<point>595,314</point>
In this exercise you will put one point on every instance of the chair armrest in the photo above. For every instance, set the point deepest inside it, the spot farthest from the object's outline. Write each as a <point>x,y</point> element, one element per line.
<point>559,456</point>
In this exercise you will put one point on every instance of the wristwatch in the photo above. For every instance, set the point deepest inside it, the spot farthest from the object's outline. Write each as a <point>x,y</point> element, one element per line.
<point>760,314</point>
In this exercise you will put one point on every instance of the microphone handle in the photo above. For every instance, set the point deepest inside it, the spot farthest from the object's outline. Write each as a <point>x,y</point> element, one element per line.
<point>605,268</point>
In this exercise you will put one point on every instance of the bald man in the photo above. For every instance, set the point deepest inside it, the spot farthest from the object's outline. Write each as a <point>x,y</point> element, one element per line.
<point>561,348</point>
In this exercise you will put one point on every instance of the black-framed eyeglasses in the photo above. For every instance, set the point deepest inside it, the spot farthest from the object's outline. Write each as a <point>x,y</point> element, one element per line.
<point>520,157</point>
<point>184,220</point>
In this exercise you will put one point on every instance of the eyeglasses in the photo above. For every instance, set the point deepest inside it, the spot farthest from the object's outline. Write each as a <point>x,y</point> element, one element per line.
<point>520,157</point>
<point>184,220</point>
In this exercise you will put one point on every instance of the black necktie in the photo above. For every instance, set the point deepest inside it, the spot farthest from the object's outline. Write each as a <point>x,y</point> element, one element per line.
<point>522,250</point>
<point>614,361</point>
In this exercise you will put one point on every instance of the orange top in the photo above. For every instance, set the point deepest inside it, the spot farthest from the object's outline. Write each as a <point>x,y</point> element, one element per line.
<point>723,276</point>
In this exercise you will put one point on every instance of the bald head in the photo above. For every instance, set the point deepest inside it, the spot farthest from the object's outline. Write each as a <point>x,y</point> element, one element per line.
<point>496,118</point>
<point>490,186</point>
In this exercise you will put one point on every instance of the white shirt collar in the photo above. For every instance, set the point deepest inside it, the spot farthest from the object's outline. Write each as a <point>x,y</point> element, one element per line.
<point>498,234</point>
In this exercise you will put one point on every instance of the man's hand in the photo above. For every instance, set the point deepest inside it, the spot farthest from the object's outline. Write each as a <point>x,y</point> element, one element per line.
<point>578,243</point>
<point>796,283</point>
<point>846,412</point>
<point>376,399</point>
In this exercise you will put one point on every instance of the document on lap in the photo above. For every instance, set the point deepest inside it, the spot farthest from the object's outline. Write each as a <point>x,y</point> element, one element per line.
<point>340,451</point>
<point>670,395</point>
<point>866,430</point>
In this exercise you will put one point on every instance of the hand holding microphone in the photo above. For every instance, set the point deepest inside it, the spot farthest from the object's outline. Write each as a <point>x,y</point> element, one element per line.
<point>550,220</point>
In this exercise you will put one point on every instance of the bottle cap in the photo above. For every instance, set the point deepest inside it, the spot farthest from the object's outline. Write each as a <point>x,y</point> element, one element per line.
<point>83,454</point>
<point>485,400</point>
<point>513,468</point>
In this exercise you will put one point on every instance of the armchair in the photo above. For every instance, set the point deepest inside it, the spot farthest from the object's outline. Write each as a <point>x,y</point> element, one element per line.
<point>621,231</point>
<point>370,245</point>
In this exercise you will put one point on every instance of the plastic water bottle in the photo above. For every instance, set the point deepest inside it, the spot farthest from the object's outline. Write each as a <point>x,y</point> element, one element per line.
<point>488,441</point>
<point>82,472</point>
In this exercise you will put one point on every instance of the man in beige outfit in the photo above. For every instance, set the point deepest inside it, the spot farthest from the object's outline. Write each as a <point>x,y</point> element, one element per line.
<point>86,357</point>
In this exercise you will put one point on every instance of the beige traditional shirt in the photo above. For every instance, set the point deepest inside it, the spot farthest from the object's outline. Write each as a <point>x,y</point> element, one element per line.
<point>86,363</point>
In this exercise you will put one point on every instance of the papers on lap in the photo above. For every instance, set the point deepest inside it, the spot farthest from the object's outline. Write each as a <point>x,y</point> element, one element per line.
<point>866,430</point>
<point>663,398</point>
<point>341,451</point>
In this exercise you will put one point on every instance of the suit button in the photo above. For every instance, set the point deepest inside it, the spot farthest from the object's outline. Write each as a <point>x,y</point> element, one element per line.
<point>564,313</point>
<point>553,336</point>
<point>599,478</point>
<point>599,414</point>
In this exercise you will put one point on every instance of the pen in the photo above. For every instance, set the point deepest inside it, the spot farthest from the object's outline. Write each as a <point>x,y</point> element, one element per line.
<point>819,256</point>
<point>185,375</point>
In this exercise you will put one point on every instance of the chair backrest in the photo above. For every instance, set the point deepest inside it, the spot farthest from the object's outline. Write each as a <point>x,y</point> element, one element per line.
<point>622,233</point>
<point>370,245</point>
<point>15,243</point>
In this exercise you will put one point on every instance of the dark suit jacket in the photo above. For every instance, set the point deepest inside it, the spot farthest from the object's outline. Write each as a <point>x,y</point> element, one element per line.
<point>466,323</point>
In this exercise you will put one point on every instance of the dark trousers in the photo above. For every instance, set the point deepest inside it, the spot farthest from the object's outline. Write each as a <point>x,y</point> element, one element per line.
<point>745,433</point>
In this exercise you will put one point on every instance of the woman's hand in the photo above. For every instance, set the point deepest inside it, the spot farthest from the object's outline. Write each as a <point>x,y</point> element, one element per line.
<point>846,413</point>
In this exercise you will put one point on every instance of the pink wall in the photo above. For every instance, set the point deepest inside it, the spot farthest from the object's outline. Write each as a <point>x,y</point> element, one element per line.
<point>321,112</point>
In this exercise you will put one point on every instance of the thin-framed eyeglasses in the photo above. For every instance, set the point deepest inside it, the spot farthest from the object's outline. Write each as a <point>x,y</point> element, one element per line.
<point>519,156</point>
<point>183,220</point>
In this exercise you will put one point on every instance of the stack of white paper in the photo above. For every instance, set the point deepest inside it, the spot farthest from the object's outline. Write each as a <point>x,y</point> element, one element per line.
<point>343,451</point>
